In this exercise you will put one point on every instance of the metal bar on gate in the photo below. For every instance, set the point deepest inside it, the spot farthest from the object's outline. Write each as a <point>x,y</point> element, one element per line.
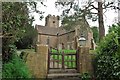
<point>63,66</point>
<point>71,61</point>
<point>67,61</point>
<point>57,59</point>
<point>53,61</point>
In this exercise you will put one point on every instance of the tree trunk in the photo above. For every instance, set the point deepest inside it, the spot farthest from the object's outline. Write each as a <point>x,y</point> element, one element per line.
<point>100,21</point>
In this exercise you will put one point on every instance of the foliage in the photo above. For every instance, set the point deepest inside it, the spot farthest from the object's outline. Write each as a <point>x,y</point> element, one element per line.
<point>95,34</point>
<point>11,49</point>
<point>28,40</point>
<point>15,25</point>
<point>68,22</point>
<point>107,62</point>
<point>86,76</point>
<point>15,68</point>
<point>78,17</point>
<point>89,10</point>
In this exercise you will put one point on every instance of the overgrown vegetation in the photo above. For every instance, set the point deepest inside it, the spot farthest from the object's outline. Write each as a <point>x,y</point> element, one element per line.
<point>85,76</point>
<point>107,62</point>
<point>28,40</point>
<point>17,28</point>
<point>16,67</point>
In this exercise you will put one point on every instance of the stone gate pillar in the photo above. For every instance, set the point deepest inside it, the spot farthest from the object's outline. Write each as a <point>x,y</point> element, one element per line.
<point>84,60</point>
<point>42,61</point>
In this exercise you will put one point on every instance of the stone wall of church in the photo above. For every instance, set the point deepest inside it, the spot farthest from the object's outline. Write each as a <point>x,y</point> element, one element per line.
<point>67,40</point>
<point>89,41</point>
<point>48,40</point>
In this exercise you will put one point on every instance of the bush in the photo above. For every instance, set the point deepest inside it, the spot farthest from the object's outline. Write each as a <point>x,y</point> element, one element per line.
<point>15,68</point>
<point>107,62</point>
<point>85,76</point>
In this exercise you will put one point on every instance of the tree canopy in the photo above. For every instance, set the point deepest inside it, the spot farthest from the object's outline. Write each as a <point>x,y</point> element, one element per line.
<point>16,24</point>
<point>90,10</point>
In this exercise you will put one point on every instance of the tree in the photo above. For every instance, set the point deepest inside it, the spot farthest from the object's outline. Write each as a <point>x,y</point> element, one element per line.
<point>100,21</point>
<point>15,22</point>
<point>28,39</point>
<point>95,34</point>
<point>88,11</point>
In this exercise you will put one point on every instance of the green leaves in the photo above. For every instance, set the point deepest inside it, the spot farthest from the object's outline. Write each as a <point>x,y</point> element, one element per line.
<point>16,68</point>
<point>16,24</point>
<point>95,34</point>
<point>107,63</point>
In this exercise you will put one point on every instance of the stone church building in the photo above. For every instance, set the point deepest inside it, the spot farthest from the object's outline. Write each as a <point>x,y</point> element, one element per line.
<point>57,37</point>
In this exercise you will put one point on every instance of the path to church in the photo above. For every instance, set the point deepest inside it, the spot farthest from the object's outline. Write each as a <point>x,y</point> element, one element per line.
<point>61,74</point>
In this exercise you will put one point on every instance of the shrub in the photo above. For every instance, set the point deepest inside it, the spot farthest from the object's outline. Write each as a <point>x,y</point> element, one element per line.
<point>15,68</point>
<point>107,62</point>
<point>85,76</point>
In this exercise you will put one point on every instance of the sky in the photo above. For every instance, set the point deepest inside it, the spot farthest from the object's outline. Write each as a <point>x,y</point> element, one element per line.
<point>110,17</point>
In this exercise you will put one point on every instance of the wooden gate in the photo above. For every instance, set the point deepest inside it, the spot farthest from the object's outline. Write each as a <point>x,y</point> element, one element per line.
<point>61,60</point>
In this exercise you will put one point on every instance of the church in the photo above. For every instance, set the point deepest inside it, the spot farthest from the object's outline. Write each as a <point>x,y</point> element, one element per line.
<point>57,37</point>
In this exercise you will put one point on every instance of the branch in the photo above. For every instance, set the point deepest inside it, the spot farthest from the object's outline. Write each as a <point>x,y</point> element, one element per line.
<point>94,7</point>
<point>91,5</point>
<point>109,5</point>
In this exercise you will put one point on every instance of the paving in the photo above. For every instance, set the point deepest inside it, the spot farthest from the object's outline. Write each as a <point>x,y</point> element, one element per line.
<point>63,74</point>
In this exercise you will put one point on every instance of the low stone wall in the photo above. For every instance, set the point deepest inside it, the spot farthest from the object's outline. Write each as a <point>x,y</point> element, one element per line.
<point>37,62</point>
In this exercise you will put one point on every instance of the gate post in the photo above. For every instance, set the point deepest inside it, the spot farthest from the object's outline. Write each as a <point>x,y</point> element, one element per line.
<point>84,60</point>
<point>42,61</point>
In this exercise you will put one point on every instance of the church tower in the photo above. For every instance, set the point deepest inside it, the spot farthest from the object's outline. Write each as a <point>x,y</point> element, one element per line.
<point>52,21</point>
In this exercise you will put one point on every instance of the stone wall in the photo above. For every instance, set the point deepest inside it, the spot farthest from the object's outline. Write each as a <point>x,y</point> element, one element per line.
<point>52,40</point>
<point>84,61</point>
<point>37,62</point>
<point>68,40</point>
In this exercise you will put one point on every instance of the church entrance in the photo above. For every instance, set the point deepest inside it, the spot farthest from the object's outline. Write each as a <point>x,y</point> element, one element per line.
<point>62,60</point>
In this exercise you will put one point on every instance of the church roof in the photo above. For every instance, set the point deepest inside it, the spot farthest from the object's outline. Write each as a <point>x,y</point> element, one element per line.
<point>50,30</point>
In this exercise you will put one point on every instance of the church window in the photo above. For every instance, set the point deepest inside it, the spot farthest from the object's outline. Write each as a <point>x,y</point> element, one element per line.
<point>68,37</point>
<point>53,21</point>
